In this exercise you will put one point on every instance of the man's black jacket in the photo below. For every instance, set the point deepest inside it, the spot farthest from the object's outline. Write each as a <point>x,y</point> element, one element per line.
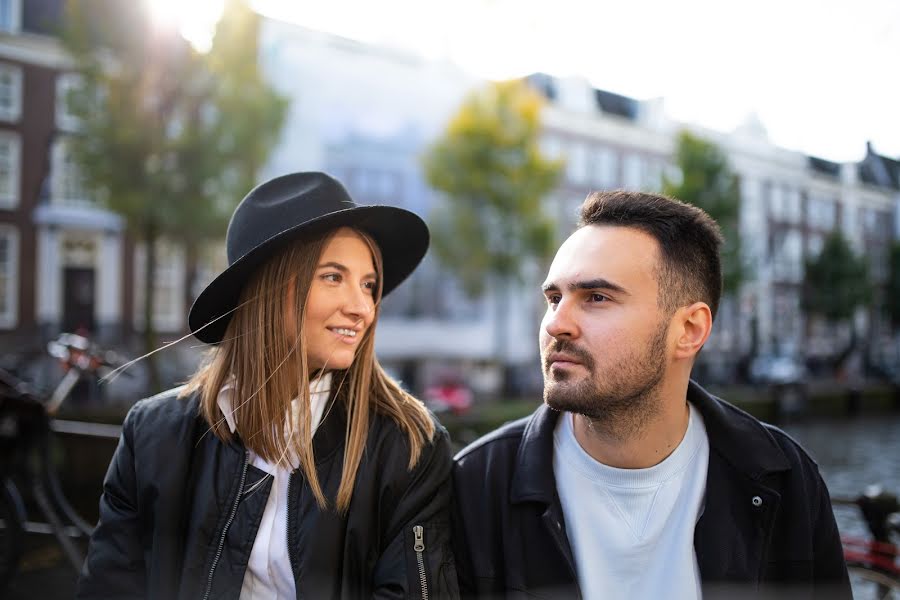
<point>180,511</point>
<point>767,529</point>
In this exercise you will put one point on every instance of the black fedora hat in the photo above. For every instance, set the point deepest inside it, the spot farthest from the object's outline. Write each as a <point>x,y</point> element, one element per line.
<point>286,208</point>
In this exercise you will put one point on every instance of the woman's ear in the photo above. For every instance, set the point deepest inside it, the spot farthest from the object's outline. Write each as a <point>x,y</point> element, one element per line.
<point>694,325</point>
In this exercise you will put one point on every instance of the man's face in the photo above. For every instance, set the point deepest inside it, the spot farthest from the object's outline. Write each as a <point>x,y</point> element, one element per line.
<point>603,338</point>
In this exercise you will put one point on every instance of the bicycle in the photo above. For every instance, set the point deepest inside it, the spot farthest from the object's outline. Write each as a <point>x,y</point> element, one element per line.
<point>874,562</point>
<point>25,433</point>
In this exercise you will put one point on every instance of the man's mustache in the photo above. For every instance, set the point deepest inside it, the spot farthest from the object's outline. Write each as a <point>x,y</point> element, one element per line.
<point>567,347</point>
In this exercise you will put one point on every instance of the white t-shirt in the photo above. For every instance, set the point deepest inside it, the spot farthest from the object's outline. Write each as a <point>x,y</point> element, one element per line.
<point>269,574</point>
<point>632,530</point>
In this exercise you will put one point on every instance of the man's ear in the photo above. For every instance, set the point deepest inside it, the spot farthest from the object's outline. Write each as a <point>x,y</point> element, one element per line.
<point>694,324</point>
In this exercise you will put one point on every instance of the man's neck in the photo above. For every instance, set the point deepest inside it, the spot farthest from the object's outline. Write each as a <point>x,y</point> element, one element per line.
<point>639,447</point>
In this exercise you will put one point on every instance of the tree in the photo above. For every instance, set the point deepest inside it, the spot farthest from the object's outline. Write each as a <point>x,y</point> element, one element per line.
<point>836,282</point>
<point>708,182</point>
<point>168,137</point>
<point>489,165</point>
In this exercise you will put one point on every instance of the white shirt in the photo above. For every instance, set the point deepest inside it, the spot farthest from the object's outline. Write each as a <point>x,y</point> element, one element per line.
<point>269,574</point>
<point>632,530</point>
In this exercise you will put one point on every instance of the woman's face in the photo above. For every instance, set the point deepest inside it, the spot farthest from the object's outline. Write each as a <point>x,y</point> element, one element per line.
<point>340,307</point>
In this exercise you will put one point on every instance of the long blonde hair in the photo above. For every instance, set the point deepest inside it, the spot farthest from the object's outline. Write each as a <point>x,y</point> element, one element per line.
<point>268,366</point>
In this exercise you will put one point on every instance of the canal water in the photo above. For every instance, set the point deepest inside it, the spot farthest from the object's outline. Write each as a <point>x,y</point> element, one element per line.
<point>853,454</point>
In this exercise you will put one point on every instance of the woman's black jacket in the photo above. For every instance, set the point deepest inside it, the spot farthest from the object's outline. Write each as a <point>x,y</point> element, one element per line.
<point>180,510</point>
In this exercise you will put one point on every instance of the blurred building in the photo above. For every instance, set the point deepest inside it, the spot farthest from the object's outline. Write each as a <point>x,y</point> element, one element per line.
<point>61,258</point>
<point>790,202</point>
<point>66,264</point>
<point>366,114</point>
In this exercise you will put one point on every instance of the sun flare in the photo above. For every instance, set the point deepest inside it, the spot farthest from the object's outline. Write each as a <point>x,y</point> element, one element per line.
<point>195,20</point>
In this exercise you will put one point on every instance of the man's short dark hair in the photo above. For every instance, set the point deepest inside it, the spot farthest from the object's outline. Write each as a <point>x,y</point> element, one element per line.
<point>690,267</point>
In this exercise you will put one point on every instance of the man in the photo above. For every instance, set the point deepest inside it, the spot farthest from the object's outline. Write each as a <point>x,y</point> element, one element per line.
<point>631,481</point>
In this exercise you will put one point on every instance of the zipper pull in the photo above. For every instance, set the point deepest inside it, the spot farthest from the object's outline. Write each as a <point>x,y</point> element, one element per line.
<point>419,532</point>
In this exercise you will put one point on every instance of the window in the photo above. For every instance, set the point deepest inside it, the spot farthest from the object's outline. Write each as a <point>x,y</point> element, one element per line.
<point>821,213</point>
<point>10,92</point>
<point>66,185</point>
<point>551,147</point>
<point>10,157</point>
<point>168,288</point>
<point>9,276</point>
<point>10,15</point>
<point>633,172</point>
<point>606,167</point>
<point>577,163</point>
<point>66,84</point>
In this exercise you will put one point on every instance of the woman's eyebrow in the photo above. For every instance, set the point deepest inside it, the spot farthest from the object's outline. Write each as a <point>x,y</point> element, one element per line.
<point>333,265</point>
<point>343,269</point>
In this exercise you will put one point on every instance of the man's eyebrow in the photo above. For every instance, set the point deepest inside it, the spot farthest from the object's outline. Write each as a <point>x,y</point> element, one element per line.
<point>588,284</point>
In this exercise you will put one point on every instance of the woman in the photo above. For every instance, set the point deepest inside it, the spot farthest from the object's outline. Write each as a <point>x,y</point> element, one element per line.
<point>290,465</point>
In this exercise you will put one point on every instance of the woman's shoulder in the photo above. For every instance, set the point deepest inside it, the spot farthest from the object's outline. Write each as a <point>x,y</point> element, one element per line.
<point>166,412</point>
<point>388,435</point>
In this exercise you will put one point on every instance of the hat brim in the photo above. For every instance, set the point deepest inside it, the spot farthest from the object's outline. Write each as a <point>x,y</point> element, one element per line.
<point>401,236</point>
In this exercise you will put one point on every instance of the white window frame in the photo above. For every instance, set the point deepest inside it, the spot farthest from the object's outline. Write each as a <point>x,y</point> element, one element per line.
<point>170,271</point>
<point>15,16</point>
<point>13,112</point>
<point>9,198</point>
<point>65,84</point>
<point>61,169</point>
<point>9,318</point>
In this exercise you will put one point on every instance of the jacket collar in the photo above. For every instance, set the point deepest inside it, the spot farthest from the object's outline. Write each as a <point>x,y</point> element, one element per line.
<point>744,442</point>
<point>741,440</point>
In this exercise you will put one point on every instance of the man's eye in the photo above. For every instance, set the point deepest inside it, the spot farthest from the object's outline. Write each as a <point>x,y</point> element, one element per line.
<point>598,298</point>
<point>553,299</point>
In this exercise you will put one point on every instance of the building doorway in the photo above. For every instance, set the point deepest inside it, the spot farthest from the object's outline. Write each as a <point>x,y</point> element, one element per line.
<point>78,300</point>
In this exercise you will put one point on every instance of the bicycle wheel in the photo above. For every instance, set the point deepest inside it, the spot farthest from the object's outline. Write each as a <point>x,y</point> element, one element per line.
<point>872,585</point>
<point>11,534</point>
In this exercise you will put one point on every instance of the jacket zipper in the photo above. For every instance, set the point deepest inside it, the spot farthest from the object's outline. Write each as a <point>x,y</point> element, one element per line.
<point>234,507</point>
<point>419,547</point>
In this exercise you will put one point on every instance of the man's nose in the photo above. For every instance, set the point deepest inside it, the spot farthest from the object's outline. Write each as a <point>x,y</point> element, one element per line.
<point>560,321</point>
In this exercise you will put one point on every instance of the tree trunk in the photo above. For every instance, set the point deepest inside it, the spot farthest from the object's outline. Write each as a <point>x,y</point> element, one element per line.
<point>150,340</point>
<point>501,334</point>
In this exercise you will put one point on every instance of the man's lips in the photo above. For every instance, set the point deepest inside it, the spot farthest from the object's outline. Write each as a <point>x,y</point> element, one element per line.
<point>562,360</point>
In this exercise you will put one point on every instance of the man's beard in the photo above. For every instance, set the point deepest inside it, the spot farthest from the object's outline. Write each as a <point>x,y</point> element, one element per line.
<point>628,397</point>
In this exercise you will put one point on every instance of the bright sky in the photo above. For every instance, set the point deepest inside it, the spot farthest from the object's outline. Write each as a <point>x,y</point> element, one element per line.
<point>821,75</point>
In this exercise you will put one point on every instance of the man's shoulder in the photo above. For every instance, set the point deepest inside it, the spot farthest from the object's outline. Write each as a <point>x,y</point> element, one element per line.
<point>495,452</point>
<point>793,450</point>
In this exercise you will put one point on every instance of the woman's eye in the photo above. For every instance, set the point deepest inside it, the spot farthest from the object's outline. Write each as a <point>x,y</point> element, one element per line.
<point>370,285</point>
<point>332,277</point>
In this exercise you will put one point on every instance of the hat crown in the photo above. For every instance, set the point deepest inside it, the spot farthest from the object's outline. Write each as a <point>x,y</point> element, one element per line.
<point>278,205</point>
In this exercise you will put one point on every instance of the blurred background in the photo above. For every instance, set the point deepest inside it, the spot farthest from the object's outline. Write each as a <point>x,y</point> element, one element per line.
<point>129,130</point>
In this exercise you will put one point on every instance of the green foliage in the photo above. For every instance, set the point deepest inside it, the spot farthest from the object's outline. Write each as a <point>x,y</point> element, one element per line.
<point>168,137</point>
<point>489,165</point>
<point>892,301</point>
<point>708,182</point>
<point>836,281</point>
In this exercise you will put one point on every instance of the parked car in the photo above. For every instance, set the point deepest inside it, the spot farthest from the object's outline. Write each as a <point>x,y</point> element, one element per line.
<point>777,370</point>
<point>453,397</point>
